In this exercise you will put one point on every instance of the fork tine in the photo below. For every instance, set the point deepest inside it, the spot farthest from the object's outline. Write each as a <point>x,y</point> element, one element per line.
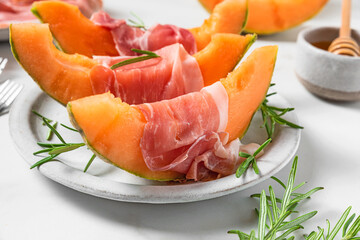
<point>14,94</point>
<point>4,84</point>
<point>3,62</point>
<point>9,97</point>
<point>6,90</point>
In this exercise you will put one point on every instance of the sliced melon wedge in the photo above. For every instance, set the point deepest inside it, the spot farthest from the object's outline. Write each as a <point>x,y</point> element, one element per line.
<point>73,31</point>
<point>223,19</point>
<point>271,16</point>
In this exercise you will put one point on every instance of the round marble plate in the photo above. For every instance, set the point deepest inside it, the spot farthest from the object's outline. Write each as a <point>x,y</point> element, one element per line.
<point>106,181</point>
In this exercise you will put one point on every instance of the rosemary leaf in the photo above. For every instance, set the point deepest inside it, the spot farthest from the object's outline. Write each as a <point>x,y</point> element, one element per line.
<point>347,224</point>
<point>53,130</point>
<point>42,144</point>
<point>50,133</point>
<point>67,148</point>
<point>69,128</point>
<point>262,216</point>
<point>44,160</point>
<point>138,23</point>
<point>90,162</point>
<point>148,55</point>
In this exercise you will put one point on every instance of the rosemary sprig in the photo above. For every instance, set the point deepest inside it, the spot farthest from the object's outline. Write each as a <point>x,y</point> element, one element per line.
<point>273,115</point>
<point>344,223</point>
<point>148,55</point>
<point>274,212</point>
<point>250,160</point>
<point>138,22</point>
<point>55,149</point>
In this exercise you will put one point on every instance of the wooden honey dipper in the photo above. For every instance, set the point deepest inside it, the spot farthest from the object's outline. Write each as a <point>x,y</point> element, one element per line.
<point>344,44</point>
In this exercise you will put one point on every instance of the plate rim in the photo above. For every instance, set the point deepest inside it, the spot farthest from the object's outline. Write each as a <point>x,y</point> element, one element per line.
<point>127,192</point>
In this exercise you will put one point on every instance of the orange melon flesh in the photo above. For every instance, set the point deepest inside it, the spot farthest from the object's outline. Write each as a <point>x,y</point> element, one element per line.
<point>73,31</point>
<point>113,129</point>
<point>223,19</point>
<point>224,48</point>
<point>209,4</point>
<point>246,87</point>
<point>271,16</point>
<point>66,77</point>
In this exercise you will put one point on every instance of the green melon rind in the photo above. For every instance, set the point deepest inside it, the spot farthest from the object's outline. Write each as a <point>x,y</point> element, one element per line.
<point>77,127</point>
<point>246,16</point>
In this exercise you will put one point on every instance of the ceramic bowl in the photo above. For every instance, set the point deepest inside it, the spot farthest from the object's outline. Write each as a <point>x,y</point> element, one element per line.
<point>323,73</point>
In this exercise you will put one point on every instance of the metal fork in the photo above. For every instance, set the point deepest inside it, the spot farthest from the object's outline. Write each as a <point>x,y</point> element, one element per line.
<point>8,92</point>
<point>3,62</point>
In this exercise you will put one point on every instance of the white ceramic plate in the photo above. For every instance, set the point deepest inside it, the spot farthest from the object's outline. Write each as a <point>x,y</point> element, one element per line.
<point>106,181</point>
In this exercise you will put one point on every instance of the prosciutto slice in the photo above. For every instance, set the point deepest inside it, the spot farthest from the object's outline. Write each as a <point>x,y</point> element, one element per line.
<point>173,74</point>
<point>221,161</point>
<point>156,37</point>
<point>19,10</point>
<point>181,132</point>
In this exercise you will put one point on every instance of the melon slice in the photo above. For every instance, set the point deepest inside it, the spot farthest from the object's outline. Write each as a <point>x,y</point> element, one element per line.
<point>113,129</point>
<point>77,34</point>
<point>66,77</point>
<point>225,48</point>
<point>228,16</point>
<point>73,31</point>
<point>271,16</point>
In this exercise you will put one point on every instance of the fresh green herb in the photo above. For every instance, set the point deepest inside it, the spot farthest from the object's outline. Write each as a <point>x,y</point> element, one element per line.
<point>273,115</point>
<point>138,22</point>
<point>274,212</point>
<point>90,162</point>
<point>70,128</point>
<point>50,133</point>
<point>148,55</point>
<point>250,160</point>
<point>55,149</point>
<point>344,223</point>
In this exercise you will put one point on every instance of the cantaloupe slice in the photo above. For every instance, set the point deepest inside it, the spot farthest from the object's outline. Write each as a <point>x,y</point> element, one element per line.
<point>73,31</point>
<point>113,129</point>
<point>223,19</point>
<point>271,16</point>
<point>223,48</point>
<point>66,77</point>
<point>77,34</point>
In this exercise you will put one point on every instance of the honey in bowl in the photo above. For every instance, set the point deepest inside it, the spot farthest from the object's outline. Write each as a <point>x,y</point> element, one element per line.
<point>324,45</point>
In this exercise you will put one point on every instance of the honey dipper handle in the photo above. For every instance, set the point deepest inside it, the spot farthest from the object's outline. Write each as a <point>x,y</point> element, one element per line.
<point>345,18</point>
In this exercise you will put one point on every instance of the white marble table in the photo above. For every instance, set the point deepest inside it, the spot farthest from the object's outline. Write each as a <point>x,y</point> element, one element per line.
<point>34,207</point>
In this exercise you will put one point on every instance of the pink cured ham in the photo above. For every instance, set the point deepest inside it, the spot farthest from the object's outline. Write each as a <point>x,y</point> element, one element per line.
<point>173,74</point>
<point>19,10</point>
<point>156,37</point>
<point>183,133</point>
<point>221,161</point>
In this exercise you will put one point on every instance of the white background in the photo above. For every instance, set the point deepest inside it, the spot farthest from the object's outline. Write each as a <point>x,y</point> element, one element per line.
<point>34,207</point>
